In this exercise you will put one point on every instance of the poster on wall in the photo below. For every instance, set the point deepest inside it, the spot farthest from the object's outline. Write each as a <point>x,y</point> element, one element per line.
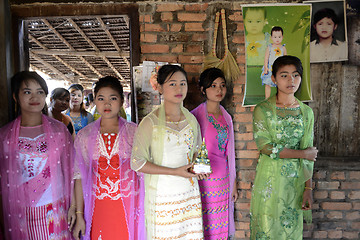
<point>273,30</point>
<point>150,69</point>
<point>328,31</point>
<point>137,76</point>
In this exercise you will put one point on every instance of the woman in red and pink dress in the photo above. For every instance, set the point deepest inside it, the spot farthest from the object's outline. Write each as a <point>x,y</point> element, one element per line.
<point>107,190</point>
<point>218,191</point>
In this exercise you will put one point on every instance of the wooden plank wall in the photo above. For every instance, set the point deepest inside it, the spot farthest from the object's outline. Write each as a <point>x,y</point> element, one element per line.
<point>336,95</point>
<point>336,100</point>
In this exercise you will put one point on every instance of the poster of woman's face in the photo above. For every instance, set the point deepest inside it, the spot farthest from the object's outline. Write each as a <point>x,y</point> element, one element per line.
<point>271,31</point>
<point>328,31</point>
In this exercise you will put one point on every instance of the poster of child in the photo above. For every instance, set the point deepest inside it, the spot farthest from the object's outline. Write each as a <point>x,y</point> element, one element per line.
<point>263,46</point>
<point>256,39</point>
<point>273,51</point>
<point>328,31</point>
<point>149,73</point>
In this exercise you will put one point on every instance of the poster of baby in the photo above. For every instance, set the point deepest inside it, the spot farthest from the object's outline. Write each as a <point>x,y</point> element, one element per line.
<point>271,31</point>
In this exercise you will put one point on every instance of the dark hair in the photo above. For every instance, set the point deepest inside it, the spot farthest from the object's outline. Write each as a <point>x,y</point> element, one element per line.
<point>287,60</point>
<point>325,13</point>
<point>277,29</point>
<point>111,82</point>
<point>320,14</point>
<point>246,9</point>
<point>26,76</point>
<point>78,87</point>
<point>90,97</point>
<point>208,76</point>
<point>58,93</point>
<point>167,71</point>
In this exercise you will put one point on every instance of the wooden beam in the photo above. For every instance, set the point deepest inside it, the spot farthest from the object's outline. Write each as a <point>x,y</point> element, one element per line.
<point>91,67</point>
<point>56,57</point>
<point>95,48</point>
<point>57,34</point>
<point>113,68</point>
<point>32,38</point>
<point>71,48</point>
<point>74,24</point>
<point>108,33</point>
<point>126,19</point>
<point>77,53</point>
<point>49,66</point>
<point>70,67</point>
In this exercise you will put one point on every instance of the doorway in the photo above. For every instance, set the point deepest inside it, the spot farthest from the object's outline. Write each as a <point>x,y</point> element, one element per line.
<point>74,43</point>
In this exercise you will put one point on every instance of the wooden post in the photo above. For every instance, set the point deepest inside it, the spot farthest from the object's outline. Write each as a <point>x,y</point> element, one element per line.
<point>6,66</point>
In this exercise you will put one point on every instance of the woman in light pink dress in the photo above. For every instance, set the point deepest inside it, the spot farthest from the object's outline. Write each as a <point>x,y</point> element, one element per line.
<point>36,166</point>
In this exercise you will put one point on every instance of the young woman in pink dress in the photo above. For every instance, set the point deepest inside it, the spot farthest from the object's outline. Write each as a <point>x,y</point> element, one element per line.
<point>218,191</point>
<point>107,190</point>
<point>36,166</point>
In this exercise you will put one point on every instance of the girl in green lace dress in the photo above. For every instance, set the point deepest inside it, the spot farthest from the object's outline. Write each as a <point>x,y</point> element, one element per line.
<point>283,131</point>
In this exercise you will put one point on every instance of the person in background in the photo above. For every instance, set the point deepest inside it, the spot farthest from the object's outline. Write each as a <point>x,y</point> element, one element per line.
<point>79,116</point>
<point>89,102</point>
<point>59,102</point>
<point>128,107</point>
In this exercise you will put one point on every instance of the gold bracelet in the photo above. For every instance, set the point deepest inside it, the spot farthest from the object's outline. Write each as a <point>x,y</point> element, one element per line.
<point>309,188</point>
<point>79,212</point>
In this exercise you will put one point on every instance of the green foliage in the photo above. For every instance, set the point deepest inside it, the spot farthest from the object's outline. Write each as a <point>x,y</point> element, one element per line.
<point>303,22</point>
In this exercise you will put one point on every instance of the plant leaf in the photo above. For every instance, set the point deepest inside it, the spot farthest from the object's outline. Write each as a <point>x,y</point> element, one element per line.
<point>303,21</point>
<point>305,42</point>
<point>307,31</point>
<point>306,14</point>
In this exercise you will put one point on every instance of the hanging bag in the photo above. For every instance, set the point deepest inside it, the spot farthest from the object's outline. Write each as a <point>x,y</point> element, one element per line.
<point>227,64</point>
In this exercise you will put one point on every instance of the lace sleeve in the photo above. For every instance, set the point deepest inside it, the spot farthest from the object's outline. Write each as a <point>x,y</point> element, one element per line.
<point>141,152</point>
<point>80,147</point>
<point>262,134</point>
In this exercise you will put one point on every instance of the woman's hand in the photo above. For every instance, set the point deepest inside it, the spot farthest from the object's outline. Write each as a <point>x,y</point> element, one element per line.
<point>79,229</point>
<point>202,176</point>
<point>307,200</point>
<point>184,171</point>
<point>71,217</point>
<point>234,194</point>
<point>311,153</point>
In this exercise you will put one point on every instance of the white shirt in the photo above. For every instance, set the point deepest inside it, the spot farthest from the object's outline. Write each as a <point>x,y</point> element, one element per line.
<point>320,53</point>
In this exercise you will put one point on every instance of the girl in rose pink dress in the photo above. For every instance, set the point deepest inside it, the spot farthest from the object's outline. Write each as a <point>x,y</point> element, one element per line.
<point>107,189</point>
<point>36,166</point>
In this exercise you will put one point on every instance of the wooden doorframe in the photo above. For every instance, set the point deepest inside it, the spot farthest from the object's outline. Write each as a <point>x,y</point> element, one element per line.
<point>24,11</point>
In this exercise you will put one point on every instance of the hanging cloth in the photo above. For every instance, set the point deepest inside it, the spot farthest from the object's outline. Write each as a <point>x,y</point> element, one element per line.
<point>227,64</point>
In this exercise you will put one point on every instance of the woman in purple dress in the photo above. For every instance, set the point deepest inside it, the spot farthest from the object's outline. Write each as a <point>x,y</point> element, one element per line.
<point>218,191</point>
